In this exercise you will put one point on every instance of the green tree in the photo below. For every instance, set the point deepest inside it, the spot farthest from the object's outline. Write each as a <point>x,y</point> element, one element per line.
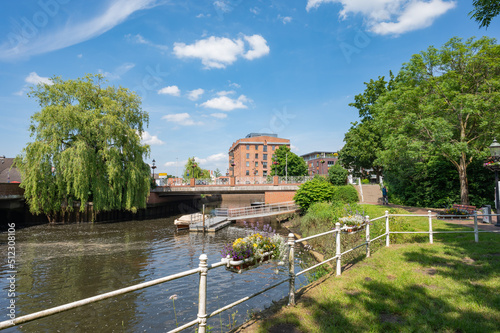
<point>484,11</point>
<point>445,102</point>
<point>337,175</point>
<point>363,141</point>
<point>288,163</point>
<point>217,173</point>
<point>192,169</point>
<point>87,148</point>
<point>315,190</point>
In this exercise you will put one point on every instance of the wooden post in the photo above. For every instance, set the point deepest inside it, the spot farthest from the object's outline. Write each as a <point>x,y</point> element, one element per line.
<point>203,212</point>
<point>367,227</point>
<point>337,245</point>
<point>431,239</point>
<point>387,232</point>
<point>291,269</point>
<point>202,299</point>
<point>476,231</point>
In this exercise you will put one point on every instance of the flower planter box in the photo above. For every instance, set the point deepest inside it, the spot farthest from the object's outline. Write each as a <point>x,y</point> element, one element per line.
<point>448,217</point>
<point>354,229</point>
<point>243,265</point>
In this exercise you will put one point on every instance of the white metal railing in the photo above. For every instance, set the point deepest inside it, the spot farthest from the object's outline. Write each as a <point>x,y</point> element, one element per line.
<point>267,209</point>
<point>203,269</point>
<point>294,179</point>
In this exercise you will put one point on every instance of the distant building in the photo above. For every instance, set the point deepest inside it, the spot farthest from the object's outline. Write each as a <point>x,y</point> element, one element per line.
<point>318,162</point>
<point>252,155</point>
<point>8,175</point>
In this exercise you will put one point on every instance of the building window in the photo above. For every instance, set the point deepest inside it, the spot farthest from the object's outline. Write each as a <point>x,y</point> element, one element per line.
<point>273,147</point>
<point>256,164</point>
<point>265,148</point>
<point>247,173</point>
<point>248,164</point>
<point>264,165</point>
<point>256,147</point>
<point>256,156</point>
<point>248,147</point>
<point>256,172</point>
<point>264,157</point>
<point>330,163</point>
<point>248,155</point>
<point>264,173</point>
<point>317,163</point>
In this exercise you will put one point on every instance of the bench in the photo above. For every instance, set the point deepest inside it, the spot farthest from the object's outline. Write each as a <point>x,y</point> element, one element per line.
<point>470,209</point>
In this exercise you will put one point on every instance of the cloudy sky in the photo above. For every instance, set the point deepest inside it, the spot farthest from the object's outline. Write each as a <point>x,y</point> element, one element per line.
<point>210,72</point>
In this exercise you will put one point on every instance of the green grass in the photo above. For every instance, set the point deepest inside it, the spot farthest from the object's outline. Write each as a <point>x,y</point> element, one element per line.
<point>452,285</point>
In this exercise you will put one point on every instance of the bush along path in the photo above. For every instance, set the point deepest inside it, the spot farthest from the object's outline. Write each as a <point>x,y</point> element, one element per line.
<point>449,286</point>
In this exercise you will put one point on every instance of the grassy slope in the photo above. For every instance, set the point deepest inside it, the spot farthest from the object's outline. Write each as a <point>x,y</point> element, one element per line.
<point>450,286</point>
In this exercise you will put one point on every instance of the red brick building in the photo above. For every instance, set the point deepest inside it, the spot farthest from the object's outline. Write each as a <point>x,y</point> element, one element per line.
<point>318,162</point>
<point>252,155</point>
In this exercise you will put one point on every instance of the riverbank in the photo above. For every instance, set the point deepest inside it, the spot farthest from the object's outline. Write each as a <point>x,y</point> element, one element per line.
<point>451,285</point>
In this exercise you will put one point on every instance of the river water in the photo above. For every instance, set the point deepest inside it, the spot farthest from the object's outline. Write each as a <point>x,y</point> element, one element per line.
<point>58,264</point>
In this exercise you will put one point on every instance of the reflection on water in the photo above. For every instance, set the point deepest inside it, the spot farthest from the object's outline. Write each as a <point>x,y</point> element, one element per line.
<point>58,264</point>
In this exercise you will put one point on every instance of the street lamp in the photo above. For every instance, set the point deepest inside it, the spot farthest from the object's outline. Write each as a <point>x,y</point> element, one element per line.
<point>153,167</point>
<point>493,164</point>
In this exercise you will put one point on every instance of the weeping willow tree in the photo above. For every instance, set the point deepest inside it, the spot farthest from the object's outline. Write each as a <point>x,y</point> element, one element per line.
<point>86,148</point>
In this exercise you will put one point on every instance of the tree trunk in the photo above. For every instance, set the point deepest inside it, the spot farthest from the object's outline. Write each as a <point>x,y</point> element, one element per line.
<point>464,184</point>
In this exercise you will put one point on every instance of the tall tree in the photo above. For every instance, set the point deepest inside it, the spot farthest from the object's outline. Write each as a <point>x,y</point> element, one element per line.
<point>484,11</point>
<point>445,102</point>
<point>287,163</point>
<point>87,148</point>
<point>363,141</point>
<point>192,169</point>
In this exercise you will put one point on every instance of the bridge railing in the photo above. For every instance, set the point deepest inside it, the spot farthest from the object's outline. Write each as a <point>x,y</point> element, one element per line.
<point>260,209</point>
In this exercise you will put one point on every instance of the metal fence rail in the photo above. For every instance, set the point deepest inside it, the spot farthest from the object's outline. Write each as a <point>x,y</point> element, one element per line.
<point>204,268</point>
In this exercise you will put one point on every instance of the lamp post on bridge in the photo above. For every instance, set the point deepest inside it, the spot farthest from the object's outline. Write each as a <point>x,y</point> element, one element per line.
<point>493,164</point>
<point>154,167</point>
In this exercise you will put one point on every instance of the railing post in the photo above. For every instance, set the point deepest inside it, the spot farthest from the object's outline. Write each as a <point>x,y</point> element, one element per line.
<point>387,232</point>
<point>202,299</point>
<point>337,245</point>
<point>367,227</point>
<point>431,238</point>
<point>291,269</point>
<point>476,231</point>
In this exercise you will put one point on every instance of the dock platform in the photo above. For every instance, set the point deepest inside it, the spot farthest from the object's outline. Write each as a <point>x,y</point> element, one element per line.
<point>212,224</point>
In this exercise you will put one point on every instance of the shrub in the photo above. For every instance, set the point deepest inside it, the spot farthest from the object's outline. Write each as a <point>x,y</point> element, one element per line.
<point>337,175</point>
<point>312,191</point>
<point>346,194</point>
<point>365,181</point>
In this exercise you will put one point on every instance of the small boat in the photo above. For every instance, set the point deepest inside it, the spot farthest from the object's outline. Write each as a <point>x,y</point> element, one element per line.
<point>184,221</point>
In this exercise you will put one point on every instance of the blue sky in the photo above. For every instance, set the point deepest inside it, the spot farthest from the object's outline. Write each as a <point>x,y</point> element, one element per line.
<point>210,72</point>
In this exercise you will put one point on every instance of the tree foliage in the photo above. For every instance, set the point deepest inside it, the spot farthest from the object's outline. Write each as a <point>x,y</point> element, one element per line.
<point>287,160</point>
<point>337,175</point>
<point>363,141</point>
<point>315,190</point>
<point>484,11</point>
<point>445,102</point>
<point>87,148</point>
<point>192,169</point>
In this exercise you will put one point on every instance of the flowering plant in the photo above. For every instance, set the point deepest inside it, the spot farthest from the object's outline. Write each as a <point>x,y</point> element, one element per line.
<point>353,219</point>
<point>257,245</point>
<point>491,163</point>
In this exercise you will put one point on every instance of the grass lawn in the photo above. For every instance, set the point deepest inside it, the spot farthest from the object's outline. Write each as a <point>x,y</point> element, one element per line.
<point>450,286</point>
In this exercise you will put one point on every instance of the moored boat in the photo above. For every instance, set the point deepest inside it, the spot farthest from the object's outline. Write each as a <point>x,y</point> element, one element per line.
<point>184,221</point>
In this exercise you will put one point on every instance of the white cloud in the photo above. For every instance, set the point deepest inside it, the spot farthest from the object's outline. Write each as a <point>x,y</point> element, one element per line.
<point>225,92</point>
<point>258,45</point>
<point>219,115</point>
<point>34,78</point>
<point>234,84</point>
<point>151,139</point>
<point>141,40</point>
<point>223,6</point>
<point>202,15</point>
<point>79,55</point>
<point>71,33</point>
<point>195,94</point>
<point>119,71</point>
<point>225,103</point>
<point>170,90</point>
<point>212,158</point>
<point>285,19</point>
<point>183,119</point>
<point>392,16</point>
<point>255,10</point>
<point>219,52</point>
